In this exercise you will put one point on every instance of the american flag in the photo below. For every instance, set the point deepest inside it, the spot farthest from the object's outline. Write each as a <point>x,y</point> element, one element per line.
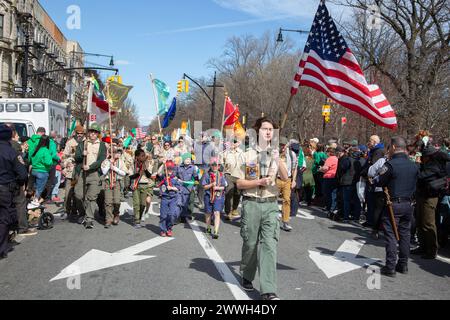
<point>329,66</point>
<point>140,134</point>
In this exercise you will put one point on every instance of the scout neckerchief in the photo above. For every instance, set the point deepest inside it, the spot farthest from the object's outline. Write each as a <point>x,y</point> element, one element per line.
<point>139,170</point>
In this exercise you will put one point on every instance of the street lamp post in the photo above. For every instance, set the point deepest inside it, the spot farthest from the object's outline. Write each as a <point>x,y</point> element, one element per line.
<point>280,34</point>
<point>213,99</point>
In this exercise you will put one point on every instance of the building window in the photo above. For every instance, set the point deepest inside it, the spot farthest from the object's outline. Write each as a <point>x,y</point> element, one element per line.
<point>1,25</point>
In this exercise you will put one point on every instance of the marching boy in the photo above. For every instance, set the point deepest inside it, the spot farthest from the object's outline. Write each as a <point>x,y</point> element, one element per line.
<point>170,200</point>
<point>142,183</point>
<point>214,184</point>
<point>114,171</point>
<point>187,174</point>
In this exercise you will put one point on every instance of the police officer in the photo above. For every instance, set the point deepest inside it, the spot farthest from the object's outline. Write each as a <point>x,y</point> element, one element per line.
<point>12,174</point>
<point>399,175</point>
<point>260,226</point>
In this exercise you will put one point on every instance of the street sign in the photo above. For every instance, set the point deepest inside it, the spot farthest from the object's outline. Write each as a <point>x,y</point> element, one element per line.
<point>20,90</point>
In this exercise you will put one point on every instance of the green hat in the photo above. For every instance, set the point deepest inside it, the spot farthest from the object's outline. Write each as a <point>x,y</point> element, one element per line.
<point>95,127</point>
<point>284,141</point>
<point>186,156</point>
<point>354,143</point>
<point>217,135</point>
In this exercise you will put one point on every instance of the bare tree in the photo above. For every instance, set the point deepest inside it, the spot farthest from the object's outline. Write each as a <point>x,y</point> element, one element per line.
<point>411,51</point>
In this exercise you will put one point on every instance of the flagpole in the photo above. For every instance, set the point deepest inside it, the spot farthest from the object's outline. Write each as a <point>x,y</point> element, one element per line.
<point>156,102</point>
<point>223,115</point>
<point>283,121</point>
<point>110,102</point>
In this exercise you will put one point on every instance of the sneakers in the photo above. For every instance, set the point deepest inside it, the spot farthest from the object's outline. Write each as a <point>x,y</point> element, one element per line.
<point>163,234</point>
<point>137,226</point>
<point>247,285</point>
<point>33,205</point>
<point>29,232</point>
<point>286,227</point>
<point>215,236</point>
<point>81,220</point>
<point>56,199</point>
<point>108,225</point>
<point>89,225</point>
<point>208,230</point>
<point>270,296</point>
<point>169,233</point>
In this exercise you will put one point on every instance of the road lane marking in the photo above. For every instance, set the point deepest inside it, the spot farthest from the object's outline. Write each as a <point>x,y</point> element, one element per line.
<point>225,272</point>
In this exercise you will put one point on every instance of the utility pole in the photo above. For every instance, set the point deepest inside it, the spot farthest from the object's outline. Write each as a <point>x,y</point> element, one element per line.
<point>25,25</point>
<point>213,102</point>
<point>69,109</point>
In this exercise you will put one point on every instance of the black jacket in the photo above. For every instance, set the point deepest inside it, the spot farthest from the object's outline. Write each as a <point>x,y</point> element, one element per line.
<point>434,169</point>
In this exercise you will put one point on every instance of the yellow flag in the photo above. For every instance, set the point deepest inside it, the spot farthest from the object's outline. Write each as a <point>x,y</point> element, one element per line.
<point>117,94</point>
<point>239,130</point>
<point>184,126</point>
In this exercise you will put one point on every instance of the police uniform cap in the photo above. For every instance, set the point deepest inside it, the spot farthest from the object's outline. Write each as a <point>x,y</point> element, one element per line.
<point>5,133</point>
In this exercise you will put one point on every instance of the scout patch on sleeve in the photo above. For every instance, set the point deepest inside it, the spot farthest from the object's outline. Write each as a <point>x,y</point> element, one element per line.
<point>383,170</point>
<point>21,160</point>
<point>251,171</point>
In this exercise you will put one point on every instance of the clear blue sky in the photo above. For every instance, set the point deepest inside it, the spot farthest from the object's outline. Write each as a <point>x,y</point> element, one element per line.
<point>172,37</point>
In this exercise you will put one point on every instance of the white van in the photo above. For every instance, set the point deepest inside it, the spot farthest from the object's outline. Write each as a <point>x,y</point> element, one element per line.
<point>28,115</point>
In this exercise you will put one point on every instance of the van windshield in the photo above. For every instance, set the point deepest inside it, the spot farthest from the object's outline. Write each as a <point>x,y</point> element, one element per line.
<point>21,128</point>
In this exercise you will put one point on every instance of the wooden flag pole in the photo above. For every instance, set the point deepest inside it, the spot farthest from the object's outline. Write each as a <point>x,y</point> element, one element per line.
<point>224,107</point>
<point>156,102</point>
<point>110,103</point>
<point>283,121</point>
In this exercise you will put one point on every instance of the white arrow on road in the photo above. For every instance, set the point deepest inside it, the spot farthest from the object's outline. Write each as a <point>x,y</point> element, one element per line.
<point>343,261</point>
<point>97,260</point>
<point>305,215</point>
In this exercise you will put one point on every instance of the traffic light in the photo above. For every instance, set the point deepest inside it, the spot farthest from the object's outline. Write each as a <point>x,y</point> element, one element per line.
<point>327,119</point>
<point>183,86</point>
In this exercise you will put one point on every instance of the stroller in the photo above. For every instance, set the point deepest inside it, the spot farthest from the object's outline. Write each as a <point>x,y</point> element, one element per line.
<point>39,218</point>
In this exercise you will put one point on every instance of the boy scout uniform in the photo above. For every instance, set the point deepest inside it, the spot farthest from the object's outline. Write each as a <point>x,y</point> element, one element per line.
<point>259,222</point>
<point>112,180</point>
<point>96,154</point>
<point>232,168</point>
<point>142,189</point>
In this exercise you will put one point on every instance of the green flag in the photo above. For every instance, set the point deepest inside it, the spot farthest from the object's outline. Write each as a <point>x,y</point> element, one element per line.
<point>127,142</point>
<point>72,127</point>
<point>117,93</point>
<point>163,92</point>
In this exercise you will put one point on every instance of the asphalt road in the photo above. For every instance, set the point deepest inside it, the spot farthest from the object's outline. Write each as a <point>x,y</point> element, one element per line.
<point>195,267</point>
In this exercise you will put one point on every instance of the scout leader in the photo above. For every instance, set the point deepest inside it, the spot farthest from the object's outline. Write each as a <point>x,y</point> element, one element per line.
<point>89,158</point>
<point>260,225</point>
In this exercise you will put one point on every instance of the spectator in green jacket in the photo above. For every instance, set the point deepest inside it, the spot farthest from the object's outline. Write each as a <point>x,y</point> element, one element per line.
<point>319,159</point>
<point>41,161</point>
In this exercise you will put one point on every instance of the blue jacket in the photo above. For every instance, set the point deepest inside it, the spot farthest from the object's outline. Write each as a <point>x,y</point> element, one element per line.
<point>165,193</point>
<point>187,173</point>
<point>206,179</point>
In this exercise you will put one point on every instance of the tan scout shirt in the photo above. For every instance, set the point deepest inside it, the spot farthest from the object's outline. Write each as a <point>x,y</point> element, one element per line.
<point>148,165</point>
<point>128,162</point>
<point>68,159</point>
<point>92,151</point>
<point>232,160</point>
<point>251,168</point>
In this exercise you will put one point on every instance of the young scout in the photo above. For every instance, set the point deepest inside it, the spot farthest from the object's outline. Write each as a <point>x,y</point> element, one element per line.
<point>260,227</point>
<point>187,174</point>
<point>142,183</point>
<point>170,200</point>
<point>214,184</point>
<point>114,171</point>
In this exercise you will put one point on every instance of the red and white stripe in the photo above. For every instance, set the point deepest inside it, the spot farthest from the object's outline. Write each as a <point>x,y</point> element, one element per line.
<point>344,82</point>
<point>140,134</point>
